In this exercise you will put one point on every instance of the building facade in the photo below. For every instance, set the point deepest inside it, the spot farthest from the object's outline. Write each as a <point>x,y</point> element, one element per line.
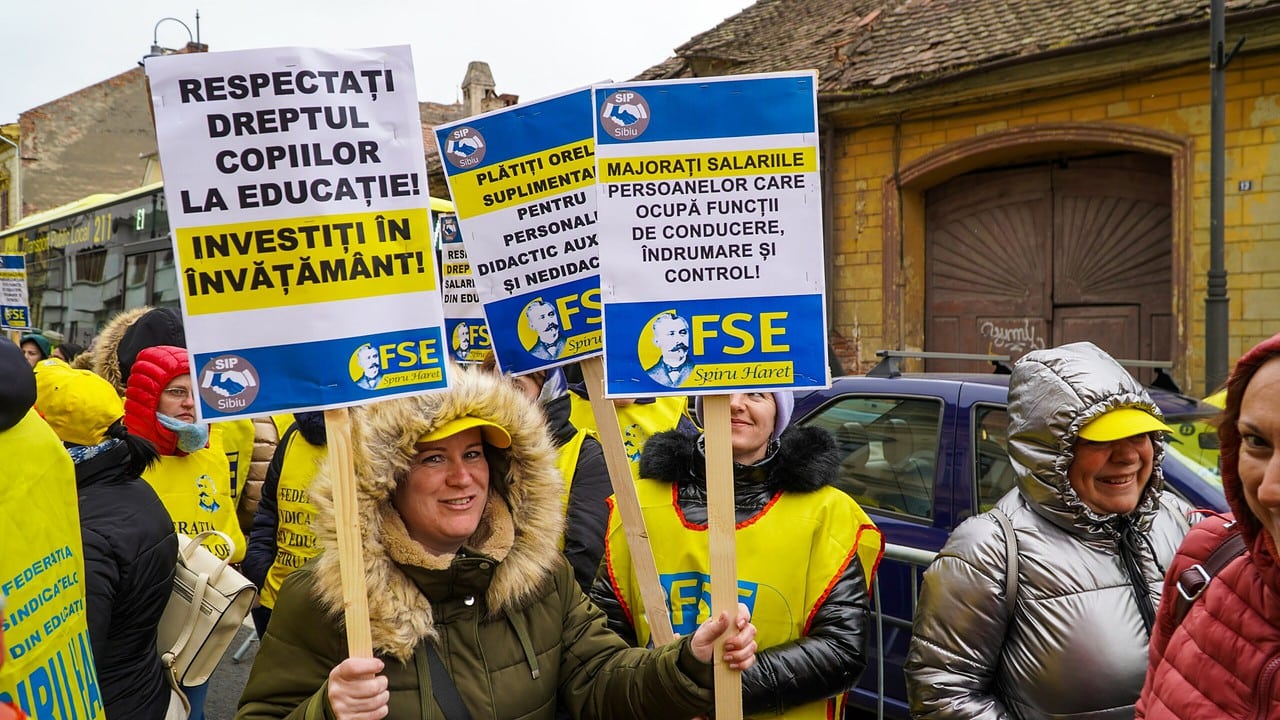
<point>1004,175</point>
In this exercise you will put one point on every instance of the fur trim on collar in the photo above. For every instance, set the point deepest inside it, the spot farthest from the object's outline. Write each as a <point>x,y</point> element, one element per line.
<point>522,533</point>
<point>805,460</point>
<point>104,360</point>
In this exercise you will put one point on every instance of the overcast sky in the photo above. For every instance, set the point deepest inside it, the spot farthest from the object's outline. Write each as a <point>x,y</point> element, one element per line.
<point>50,48</point>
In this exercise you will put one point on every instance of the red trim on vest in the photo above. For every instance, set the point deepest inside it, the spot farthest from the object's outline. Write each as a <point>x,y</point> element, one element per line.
<point>675,503</point>
<point>608,563</point>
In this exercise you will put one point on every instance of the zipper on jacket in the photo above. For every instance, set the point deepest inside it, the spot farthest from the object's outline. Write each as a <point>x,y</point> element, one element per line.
<point>1262,697</point>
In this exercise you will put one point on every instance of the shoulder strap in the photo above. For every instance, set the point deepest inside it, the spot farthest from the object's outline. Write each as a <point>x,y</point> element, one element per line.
<point>1194,580</point>
<point>442,687</point>
<point>1011,559</point>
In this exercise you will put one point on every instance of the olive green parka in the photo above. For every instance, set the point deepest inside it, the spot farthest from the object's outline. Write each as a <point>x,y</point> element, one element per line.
<point>512,625</point>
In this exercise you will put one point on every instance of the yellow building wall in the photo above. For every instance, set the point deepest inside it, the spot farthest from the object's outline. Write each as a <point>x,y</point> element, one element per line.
<point>1175,102</point>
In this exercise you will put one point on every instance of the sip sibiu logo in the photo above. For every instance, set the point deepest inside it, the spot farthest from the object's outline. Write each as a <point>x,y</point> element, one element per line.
<point>464,147</point>
<point>624,115</point>
<point>228,383</point>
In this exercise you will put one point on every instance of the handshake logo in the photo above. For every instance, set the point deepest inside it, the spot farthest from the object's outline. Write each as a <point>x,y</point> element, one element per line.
<point>625,115</point>
<point>464,147</point>
<point>228,383</point>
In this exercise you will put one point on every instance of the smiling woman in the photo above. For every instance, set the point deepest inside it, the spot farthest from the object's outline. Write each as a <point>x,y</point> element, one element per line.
<point>1199,665</point>
<point>1090,522</point>
<point>460,499</point>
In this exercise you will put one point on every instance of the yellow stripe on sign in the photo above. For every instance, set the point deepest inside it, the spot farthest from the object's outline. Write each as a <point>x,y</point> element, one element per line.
<point>739,374</point>
<point>524,179</point>
<point>712,164</point>
<point>456,269</point>
<point>300,261</point>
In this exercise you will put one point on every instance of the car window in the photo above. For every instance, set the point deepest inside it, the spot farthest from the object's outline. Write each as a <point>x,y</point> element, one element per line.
<point>992,467</point>
<point>889,450</point>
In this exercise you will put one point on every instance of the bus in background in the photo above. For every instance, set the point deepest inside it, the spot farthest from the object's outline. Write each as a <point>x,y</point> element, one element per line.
<point>90,259</point>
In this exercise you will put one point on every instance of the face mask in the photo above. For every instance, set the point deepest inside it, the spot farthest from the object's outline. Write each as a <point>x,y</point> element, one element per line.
<point>191,436</point>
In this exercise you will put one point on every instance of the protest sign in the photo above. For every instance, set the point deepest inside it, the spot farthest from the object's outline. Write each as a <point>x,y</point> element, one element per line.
<point>522,180</point>
<point>15,308</point>
<point>296,187</point>
<point>463,314</point>
<point>711,230</point>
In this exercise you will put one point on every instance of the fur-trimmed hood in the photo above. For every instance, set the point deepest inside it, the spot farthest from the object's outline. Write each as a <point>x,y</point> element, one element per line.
<point>803,459</point>
<point>520,530</point>
<point>103,359</point>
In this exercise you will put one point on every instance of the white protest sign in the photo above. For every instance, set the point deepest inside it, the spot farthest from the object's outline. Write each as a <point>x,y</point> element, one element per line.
<point>296,187</point>
<point>15,308</point>
<point>463,314</point>
<point>522,181</point>
<point>711,235</point>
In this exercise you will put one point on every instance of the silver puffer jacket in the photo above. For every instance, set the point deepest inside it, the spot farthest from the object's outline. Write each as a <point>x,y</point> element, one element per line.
<point>1076,644</point>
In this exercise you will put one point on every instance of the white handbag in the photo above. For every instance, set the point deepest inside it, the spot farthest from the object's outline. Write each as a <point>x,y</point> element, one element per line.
<point>207,606</point>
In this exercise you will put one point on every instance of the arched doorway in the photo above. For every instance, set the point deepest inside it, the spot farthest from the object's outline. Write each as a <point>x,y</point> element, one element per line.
<point>1036,255</point>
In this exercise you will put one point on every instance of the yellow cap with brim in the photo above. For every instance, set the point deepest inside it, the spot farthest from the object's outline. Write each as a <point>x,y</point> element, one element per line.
<point>79,405</point>
<point>1122,423</point>
<point>494,434</point>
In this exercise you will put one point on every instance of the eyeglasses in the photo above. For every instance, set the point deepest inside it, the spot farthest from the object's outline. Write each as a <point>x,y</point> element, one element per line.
<point>177,393</point>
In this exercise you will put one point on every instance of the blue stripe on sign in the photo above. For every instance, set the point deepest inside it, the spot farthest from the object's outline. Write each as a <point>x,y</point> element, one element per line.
<point>314,374</point>
<point>721,109</point>
<point>576,306</point>
<point>733,343</point>
<point>13,262</point>
<point>527,129</point>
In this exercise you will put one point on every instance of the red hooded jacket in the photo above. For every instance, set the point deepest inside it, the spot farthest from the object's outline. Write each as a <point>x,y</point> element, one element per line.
<point>1223,660</point>
<point>154,369</point>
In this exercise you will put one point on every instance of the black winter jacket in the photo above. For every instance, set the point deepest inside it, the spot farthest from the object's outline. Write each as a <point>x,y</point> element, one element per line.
<point>587,519</point>
<point>130,552</point>
<point>830,659</point>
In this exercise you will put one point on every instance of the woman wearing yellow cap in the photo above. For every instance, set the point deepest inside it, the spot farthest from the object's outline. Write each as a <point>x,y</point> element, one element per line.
<point>1053,620</point>
<point>460,504</point>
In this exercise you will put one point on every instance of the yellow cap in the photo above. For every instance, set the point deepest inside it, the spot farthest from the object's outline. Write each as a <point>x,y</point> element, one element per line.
<point>1122,423</point>
<point>79,405</point>
<point>494,434</point>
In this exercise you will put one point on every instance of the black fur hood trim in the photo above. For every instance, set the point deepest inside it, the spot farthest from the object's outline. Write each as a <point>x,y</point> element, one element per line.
<point>804,460</point>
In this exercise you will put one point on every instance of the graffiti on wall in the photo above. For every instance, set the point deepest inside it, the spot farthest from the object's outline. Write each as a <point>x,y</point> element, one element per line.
<point>1013,335</point>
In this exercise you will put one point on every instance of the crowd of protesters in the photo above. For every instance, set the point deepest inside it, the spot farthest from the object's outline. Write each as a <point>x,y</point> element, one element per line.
<point>501,579</point>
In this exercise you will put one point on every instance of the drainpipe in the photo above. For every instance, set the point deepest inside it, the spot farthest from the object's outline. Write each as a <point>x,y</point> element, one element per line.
<point>1216,302</point>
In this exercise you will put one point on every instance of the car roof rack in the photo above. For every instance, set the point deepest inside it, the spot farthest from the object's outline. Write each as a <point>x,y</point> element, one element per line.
<point>890,359</point>
<point>1163,381</point>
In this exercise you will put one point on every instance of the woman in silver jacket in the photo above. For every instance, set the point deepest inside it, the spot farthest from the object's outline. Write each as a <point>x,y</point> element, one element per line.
<point>1093,532</point>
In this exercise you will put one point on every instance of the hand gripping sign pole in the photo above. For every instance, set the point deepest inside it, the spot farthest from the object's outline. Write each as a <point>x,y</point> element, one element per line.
<point>628,503</point>
<point>355,596</point>
<point>724,561</point>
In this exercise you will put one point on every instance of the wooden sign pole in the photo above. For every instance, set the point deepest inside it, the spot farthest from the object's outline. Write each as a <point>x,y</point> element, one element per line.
<point>355,595</point>
<point>721,524</point>
<point>628,503</point>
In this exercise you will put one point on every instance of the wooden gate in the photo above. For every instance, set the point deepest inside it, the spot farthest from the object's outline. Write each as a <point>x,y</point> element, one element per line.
<point>1025,258</point>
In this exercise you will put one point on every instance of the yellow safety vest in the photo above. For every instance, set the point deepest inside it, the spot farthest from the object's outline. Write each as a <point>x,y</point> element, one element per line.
<point>196,490</point>
<point>237,443</point>
<point>567,463</point>
<point>295,540</point>
<point>48,664</point>
<point>789,555</point>
<point>638,421</point>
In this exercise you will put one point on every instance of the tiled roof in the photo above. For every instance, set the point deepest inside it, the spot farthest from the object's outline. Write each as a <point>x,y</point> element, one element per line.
<point>881,45</point>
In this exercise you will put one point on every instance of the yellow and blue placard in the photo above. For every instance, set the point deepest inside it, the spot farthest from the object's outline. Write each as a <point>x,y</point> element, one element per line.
<point>463,314</point>
<point>711,235</point>
<point>523,182</point>
<point>15,311</point>
<point>296,188</point>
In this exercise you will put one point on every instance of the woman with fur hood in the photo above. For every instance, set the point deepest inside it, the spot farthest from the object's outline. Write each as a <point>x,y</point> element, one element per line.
<point>459,501</point>
<point>806,552</point>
